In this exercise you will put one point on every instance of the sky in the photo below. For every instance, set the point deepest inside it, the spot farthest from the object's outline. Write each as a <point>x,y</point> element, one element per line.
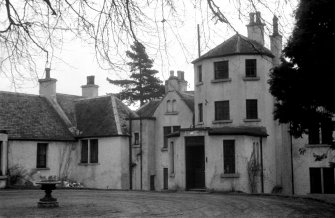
<point>76,59</point>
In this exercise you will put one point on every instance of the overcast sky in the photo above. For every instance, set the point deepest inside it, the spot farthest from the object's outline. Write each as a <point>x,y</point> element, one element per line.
<point>76,59</point>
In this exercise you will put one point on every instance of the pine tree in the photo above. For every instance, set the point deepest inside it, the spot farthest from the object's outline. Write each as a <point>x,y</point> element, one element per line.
<point>304,84</point>
<point>142,86</point>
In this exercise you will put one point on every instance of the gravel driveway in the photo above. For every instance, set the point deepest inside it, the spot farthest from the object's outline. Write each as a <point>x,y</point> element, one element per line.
<point>91,203</point>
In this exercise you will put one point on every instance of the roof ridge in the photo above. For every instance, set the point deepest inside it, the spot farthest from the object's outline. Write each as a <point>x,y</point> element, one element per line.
<point>20,93</point>
<point>116,115</point>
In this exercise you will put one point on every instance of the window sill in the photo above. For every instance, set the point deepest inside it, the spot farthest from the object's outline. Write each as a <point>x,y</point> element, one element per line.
<point>42,168</point>
<point>317,146</point>
<point>221,80</point>
<point>256,78</point>
<point>164,149</point>
<point>88,164</point>
<point>3,177</point>
<point>172,175</point>
<point>135,145</point>
<point>171,113</point>
<point>221,121</point>
<point>200,123</point>
<point>252,120</point>
<point>199,84</point>
<point>230,175</point>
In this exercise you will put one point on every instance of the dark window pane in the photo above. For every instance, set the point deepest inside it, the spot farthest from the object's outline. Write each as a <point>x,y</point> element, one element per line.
<point>328,181</point>
<point>314,134</point>
<point>250,68</point>
<point>167,131</point>
<point>41,155</point>
<point>199,73</point>
<point>221,70</point>
<point>229,156</point>
<point>136,138</point>
<point>84,151</point>
<point>315,180</point>
<point>175,128</point>
<point>327,132</point>
<point>94,151</point>
<point>200,116</point>
<point>251,108</point>
<point>222,110</point>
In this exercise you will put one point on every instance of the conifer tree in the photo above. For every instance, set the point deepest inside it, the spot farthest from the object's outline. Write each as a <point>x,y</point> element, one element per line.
<point>143,85</point>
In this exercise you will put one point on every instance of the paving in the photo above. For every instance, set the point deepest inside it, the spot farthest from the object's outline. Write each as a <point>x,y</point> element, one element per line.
<point>107,203</point>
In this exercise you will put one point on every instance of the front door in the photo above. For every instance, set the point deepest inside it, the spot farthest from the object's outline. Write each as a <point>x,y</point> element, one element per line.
<point>195,162</point>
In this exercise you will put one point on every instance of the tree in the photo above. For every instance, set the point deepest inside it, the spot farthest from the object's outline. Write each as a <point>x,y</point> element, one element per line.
<point>142,86</point>
<point>31,31</point>
<point>304,83</point>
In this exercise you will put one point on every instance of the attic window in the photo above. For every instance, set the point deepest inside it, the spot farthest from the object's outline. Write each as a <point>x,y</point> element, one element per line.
<point>174,105</point>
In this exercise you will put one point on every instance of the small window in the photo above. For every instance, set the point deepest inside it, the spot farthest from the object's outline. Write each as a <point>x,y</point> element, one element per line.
<point>94,151</point>
<point>221,70</point>
<point>200,73</point>
<point>200,111</point>
<point>172,157</point>
<point>89,151</point>
<point>251,109</point>
<point>321,133</point>
<point>84,151</point>
<point>168,106</point>
<point>222,110</point>
<point>166,131</point>
<point>229,156</point>
<point>174,105</point>
<point>41,155</point>
<point>250,68</point>
<point>136,138</point>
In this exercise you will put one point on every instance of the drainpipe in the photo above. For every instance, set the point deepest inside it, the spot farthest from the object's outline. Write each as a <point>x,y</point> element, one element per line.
<point>292,174</point>
<point>262,175</point>
<point>130,155</point>
<point>141,159</point>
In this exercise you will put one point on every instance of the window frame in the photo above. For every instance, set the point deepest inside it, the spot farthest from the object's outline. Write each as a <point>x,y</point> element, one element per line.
<point>229,159</point>
<point>250,66</point>
<point>199,68</point>
<point>166,131</point>
<point>136,138</point>
<point>89,153</point>
<point>40,163</point>
<point>221,73</point>
<point>200,113</point>
<point>221,113</point>
<point>251,107</point>
<point>174,105</point>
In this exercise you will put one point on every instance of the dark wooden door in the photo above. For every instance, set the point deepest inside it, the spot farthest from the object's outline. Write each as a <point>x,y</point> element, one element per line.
<point>152,182</point>
<point>315,180</point>
<point>165,178</point>
<point>195,162</point>
<point>328,181</point>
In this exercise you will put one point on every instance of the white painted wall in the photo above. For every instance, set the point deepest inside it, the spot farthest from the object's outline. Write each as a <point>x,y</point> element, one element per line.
<point>183,118</point>
<point>111,171</point>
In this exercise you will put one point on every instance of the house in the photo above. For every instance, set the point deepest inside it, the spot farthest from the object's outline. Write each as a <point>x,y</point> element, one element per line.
<point>235,143</point>
<point>82,138</point>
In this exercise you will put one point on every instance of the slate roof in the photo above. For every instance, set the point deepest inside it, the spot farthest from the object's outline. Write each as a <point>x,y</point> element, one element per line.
<point>67,103</point>
<point>236,45</point>
<point>188,99</point>
<point>31,117</point>
<point>239,130</point>
<point>148,110</point>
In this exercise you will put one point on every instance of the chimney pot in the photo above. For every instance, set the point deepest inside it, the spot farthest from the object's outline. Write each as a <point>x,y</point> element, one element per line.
<point>171,73</point>
<point>90,80</point>
<point>47,73</point>
<point>275,25</point>
<point>180,74</point>
<point>258,17</point>
<point>252,18</point>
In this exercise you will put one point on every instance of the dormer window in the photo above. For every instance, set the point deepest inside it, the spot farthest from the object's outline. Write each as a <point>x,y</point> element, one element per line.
<point>250,68</point>
<point>221,70</point>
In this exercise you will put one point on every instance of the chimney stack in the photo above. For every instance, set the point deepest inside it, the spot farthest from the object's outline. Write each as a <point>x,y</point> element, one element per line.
<point>276,42</point>
<point>256,28</point>
<point>48,85</point>
<point>176,83</point>
<point>90,90</point>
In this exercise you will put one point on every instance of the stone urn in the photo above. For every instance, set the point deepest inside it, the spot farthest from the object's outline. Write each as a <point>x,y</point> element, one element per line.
<point>48,201</point>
